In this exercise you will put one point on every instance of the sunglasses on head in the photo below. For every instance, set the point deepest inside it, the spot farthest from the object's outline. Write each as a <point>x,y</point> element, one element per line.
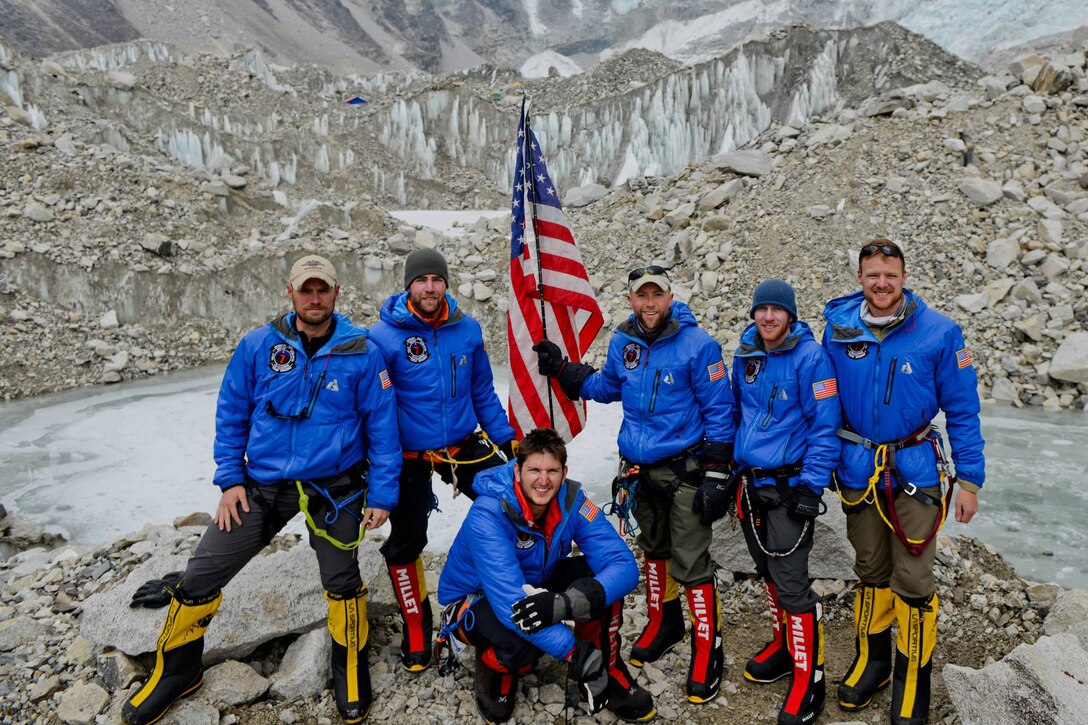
<point>888,250</point>
<point>644,271</point>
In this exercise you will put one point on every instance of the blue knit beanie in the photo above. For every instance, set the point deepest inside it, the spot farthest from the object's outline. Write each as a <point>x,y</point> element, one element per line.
<point>774,292</point>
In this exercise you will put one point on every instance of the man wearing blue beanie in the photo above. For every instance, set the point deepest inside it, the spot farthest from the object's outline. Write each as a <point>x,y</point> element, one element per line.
<point>787,415</point>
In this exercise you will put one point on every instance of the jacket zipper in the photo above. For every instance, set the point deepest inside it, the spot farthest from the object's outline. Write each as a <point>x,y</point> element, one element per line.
<point>653,393</point>
<point>891,381</point>
<point>770,407</point>
<point>453,376</point>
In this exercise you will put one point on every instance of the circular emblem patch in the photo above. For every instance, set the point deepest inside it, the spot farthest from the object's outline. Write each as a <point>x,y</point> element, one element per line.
<point>751,370</point>
<point>282,358</point>
<point>416,347</point>
<point>857,350</point>
<point>525,541</point>
<point>632,354</point>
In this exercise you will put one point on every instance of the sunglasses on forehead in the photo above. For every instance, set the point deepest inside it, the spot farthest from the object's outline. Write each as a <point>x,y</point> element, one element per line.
<point>888,250</point>
<point>641,272</point>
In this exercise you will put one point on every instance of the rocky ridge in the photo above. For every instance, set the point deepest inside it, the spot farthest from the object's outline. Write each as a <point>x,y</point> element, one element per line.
<point>66,656</point>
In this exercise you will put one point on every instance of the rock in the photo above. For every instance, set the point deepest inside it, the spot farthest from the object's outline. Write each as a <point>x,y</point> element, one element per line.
<point>973,303</point>
<point>305,666</point>
<point>118,670</point>
<point>191,711</point>
<point>108,321</point>
<point>158,244</point>
<point>1054,266</point>
<point>1043,596</point>
<point>1030,680</point>
<point>481,292</point>
<point>81,702</point>
<point>233,181</point>
<point>584,195</point>
<point>1034,104</point>
<point>232,683</point>
<point>1069,611</point>
<point>38,212</point>
<point>980,191</point>
<point>197,518</point>
<point>44,688</point>
<point>426,238</point>
<point>884,106</point>
<point>832,559</point>
<point>745,163</point>
<point>81,652</point>
<point>715,198</point>
<point>1002,252</point>
<point>1050,231</point>
<point>1004,391</point>
<point>116,363</point>
<point>1027,290</point>
<point>1070,362</point>
<point>681,216</point>
<point>122,80</point>
<point>18,631</point>
<point>217,188</point>
<point>819,211</point>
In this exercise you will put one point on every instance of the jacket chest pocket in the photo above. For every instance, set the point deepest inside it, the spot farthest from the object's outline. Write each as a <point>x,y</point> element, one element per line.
<point>778,398</point>
<point>665,388</point>
<point>459,366</point>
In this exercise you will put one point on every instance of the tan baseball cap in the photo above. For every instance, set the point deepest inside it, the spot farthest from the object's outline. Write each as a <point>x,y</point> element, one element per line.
<point>653,273</point>
<point>312,267</point>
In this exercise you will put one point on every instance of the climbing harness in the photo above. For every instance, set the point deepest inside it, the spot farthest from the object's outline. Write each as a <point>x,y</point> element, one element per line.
<point>884,467</point>
<point>623,502</point>
<point>449,643</point>
<point>333,514</point>
<point>448,455</point>
<point>781,478</point>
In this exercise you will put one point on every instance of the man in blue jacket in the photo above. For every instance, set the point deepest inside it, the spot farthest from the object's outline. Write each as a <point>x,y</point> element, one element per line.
<point>676,446</point>
<point>899,362</point>
<point>442,374</point>
<point>786,449</point>
<point>306,411</point>
<point>510,582</point>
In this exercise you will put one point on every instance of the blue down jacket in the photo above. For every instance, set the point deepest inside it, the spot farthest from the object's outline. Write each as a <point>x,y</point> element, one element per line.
<point>890,389</point>
<point>442,377</point>
<point>347,391</point>
<point>496,552</point>
<point>787,407</point>
<point>675,391</point>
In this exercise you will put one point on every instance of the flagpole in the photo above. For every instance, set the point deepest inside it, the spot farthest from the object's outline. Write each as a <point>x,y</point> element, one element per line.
<point>527,152</point>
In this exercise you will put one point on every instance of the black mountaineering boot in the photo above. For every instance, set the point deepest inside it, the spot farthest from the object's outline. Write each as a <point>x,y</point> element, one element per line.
<point>495,687</point>
<point>871,670</point>
<point>773,662</point>
<point>665,629</point>
<point>805,696</point>
<point>916,635</point>
<point>349,663</point>
<point>707,657</point>
<point>410,587</point>
<point>178,667</point>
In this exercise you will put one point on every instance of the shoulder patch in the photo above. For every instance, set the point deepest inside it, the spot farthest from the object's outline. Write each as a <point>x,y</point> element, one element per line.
<point>632,355</point>
<point>825,389</point>
<point>963,358</point>
<point>716,371</point>
<point>589,510</point>
<point>383,376</point>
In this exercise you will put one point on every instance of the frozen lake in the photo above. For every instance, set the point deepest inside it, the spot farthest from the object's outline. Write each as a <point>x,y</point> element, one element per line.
<point>98,463</point>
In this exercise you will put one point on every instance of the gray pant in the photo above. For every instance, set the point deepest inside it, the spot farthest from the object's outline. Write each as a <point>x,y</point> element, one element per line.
<point>668,529</point>
<point>220,555</point>
<point>779,533</point>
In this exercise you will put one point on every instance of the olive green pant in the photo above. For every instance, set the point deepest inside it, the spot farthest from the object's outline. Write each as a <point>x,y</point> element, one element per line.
<point>880,559</point>
<point>668,529</point>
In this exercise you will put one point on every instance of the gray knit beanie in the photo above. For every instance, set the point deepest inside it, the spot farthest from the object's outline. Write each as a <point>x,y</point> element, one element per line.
<point>425,261</point>
<point>774,292</point>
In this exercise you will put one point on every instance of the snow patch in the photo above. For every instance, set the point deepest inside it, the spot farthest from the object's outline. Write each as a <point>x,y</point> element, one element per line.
<point>537,66</point>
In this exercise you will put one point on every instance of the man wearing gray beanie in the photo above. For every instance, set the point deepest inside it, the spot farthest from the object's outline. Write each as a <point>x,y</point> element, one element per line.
<point>788,406</point>
<point>442,374</point>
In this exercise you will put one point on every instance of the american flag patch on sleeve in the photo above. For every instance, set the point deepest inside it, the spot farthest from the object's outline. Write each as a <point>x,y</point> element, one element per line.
<point>825,389</point>
<point>384,377</point>
<point>589,510</point>
<point>716,371</point>
<point>963,358</point>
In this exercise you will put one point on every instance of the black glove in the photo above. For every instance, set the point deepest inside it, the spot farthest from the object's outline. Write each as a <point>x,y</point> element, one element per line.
<point>716,492</point>
<point>510,449</point>
<point>587,666</point>
<point>550,362</point>
<point>582,601</point>
<point>549,358</point>
<point>155,593</point>
<point>804,504</point>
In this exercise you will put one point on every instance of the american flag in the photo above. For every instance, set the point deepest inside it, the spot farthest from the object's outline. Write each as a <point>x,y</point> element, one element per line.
<point>541,240</point>
<point>825,389</point>
<point>963,358</point>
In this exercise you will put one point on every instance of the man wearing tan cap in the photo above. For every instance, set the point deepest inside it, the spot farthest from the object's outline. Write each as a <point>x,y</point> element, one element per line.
<point>297,428</point>
<point>676,448</point>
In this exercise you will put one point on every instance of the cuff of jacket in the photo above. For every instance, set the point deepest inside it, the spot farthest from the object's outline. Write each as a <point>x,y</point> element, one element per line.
<point>967,485</point>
